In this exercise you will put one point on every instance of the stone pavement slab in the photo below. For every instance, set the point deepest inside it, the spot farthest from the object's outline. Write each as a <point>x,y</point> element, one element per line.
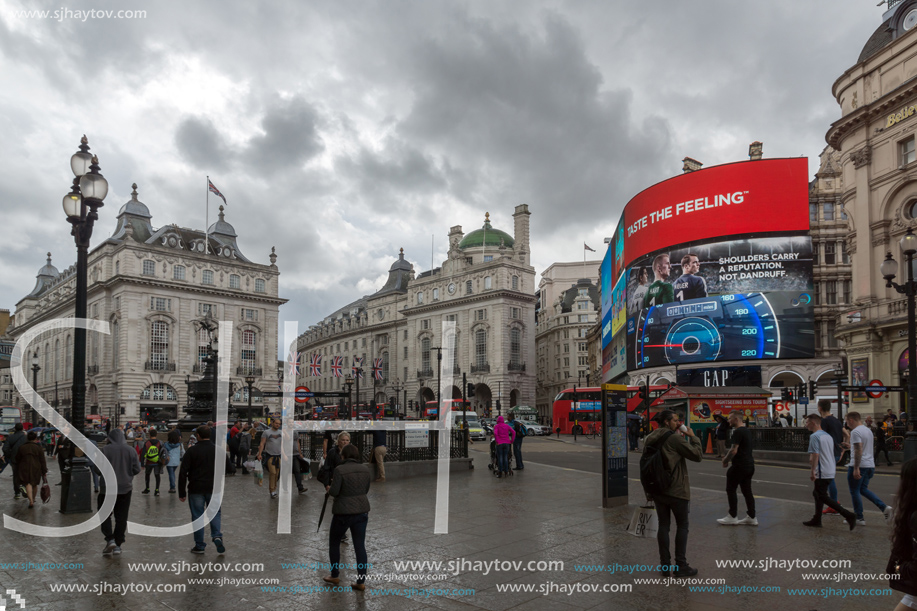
<point>543,514</point>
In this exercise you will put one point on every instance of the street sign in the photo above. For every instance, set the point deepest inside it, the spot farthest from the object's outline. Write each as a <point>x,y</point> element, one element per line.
<point>875,384</point>
<point>803,400</point>
<point>780,406</point>
<point>302,394</point>
<point>872,388</point>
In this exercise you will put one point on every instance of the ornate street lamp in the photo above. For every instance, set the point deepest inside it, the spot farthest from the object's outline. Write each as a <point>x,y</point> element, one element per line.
<point>81,206</point>
<point>250,381</point>
<point>889,270</point>
<point>348,382</point>
<point>35,370</point>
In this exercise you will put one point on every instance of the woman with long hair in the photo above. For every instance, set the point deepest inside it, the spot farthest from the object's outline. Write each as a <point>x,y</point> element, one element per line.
<point>176,451</point>
<point>903,560</point>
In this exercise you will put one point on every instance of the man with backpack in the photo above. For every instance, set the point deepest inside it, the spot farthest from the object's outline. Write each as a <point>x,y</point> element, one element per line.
<point>195,483</point>
<point>153,456</point>
<point>517,441</point>
<point>664,475</point>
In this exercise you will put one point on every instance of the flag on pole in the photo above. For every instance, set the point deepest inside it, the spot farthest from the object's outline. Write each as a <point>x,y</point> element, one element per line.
<point>336,364</point>
<point>295,360</point>
<point>586,246</point>
<point>216,191</point>
<point>357,367</point>
<point>315,365</point>
<point>377,369</point>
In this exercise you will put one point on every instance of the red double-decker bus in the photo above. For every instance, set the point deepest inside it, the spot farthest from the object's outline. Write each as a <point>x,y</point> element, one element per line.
<point>431,408</point>
<point>584,408</point>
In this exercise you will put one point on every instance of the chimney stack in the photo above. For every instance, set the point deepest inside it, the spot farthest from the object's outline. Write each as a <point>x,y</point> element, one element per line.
<point>755,151</point>
<point>691,165</point>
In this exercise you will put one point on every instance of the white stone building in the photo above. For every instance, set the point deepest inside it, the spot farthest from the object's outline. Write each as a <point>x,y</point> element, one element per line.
<point>485,286</point>
<point>568,308</point>
<point>150,285</point>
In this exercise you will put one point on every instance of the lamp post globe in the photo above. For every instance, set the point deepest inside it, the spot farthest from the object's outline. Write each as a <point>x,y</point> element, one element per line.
<point>81,160</point>
<point>908,243</point>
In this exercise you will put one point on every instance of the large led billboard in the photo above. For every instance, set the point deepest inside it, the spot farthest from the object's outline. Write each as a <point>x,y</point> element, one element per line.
<point>717,266</point>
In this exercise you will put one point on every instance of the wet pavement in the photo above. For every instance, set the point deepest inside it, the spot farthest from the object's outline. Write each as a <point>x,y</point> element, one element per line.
<point>542,514</point>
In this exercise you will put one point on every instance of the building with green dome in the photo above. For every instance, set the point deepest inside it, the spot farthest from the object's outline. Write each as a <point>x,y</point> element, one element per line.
<point>485,290</point>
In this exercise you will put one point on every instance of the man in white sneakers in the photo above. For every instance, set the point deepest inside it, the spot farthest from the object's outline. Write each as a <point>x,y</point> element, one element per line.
<point>740,473</point>
<point>861,469</point>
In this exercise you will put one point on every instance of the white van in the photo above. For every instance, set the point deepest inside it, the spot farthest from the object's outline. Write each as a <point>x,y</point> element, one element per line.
<point>475,430</point>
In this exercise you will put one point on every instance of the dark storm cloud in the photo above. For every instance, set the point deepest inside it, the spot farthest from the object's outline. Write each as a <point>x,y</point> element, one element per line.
<point>530,117</point>
<point>290,136</point>
<point>201,144</point>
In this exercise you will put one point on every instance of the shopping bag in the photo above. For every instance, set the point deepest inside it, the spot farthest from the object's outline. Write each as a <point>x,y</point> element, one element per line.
<point>644,522</point>
<point>45,491</point>
<point>258,472</point>
<point>249,465</point>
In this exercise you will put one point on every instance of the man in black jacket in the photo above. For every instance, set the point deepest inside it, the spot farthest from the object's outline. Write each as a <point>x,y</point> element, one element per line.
<point>10,447</point>
<point>126,465</point>
<point>196,475</point>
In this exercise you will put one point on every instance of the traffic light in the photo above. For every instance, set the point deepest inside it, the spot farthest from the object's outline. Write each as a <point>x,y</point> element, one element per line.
<point>643,394</point>
<point>267,411</point>
<point>391,402</point>
<point>470,393</point>
<point>785,394</point>
<point>800,390</point>
<point>813,389</point>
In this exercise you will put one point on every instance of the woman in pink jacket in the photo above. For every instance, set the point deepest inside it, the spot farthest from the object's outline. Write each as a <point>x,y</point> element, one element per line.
<point>504,435</point>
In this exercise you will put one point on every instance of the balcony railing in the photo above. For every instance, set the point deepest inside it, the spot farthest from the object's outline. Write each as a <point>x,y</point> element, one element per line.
<point>92,370</point>
<point>456,370</point>
<point>425,373</point>
<point>485,368</point>
<point>158,366</point>
<point>247,370</point>
<point>198,368</point>
<point>516,367</point>
<point>897,307</point>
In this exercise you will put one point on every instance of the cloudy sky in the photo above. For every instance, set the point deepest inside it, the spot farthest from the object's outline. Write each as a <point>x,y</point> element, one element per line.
<point>342,130</point>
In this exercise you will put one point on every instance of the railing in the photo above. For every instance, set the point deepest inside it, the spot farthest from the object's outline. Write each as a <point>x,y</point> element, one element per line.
<point>516,367</point>
<point>198,369</point>
<point>246,370</point>
<point>456,370</point>
<point>158,366</point>
<point>397,452</point>
<point>92,370</point>
<point>485,368</point>
<point>425,373</point>
<point>780,438</point>
<point>897,307</point>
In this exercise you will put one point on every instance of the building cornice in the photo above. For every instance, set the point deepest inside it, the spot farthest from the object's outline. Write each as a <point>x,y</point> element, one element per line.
<point>426,308</point>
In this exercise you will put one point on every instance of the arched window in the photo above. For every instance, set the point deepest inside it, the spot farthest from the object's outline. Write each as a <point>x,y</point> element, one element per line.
<point>248,351</point>
<point>159,345</point>
<point>46,373</point>
<point>480,348</point>
<point>68,368</point>
<point>115,344</point>
<point>515,283</point>
<point>203,341</point>
<point>515,347</point>
<point>259,285</point>
<point>57,367</point>
<point>425,354</point>
<point>487,283</point>
<point>234,281</point>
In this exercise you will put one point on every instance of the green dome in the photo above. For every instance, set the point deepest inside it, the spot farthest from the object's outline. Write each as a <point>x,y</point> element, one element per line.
<point>486,236</point>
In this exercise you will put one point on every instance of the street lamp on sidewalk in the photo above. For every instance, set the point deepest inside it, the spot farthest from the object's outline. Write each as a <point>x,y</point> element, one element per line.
<point>889,270</point>
<point>35,370</point>
<point>250,381</point>
<point>81,206</point>
<point>398,386</point>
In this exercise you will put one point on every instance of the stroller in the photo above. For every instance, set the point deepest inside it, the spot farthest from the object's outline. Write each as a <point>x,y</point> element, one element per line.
<point>492,465</point>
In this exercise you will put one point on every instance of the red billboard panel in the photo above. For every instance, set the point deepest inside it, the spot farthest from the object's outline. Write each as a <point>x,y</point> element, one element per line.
<point>738,199</point>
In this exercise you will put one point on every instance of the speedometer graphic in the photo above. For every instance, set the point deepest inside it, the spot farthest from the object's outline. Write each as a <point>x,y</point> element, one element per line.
<point>727,327</point>
<point>692,339</point>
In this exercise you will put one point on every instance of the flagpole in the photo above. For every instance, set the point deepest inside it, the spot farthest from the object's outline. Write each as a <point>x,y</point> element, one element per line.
<point>207,221</point>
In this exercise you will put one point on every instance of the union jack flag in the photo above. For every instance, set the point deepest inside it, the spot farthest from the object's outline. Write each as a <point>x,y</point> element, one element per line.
<point>377,369</point>
<point>357,367</point>
<point>336,363</point>
<point>215,191</point>
<point>315,365</point>
<point>295,360</point>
